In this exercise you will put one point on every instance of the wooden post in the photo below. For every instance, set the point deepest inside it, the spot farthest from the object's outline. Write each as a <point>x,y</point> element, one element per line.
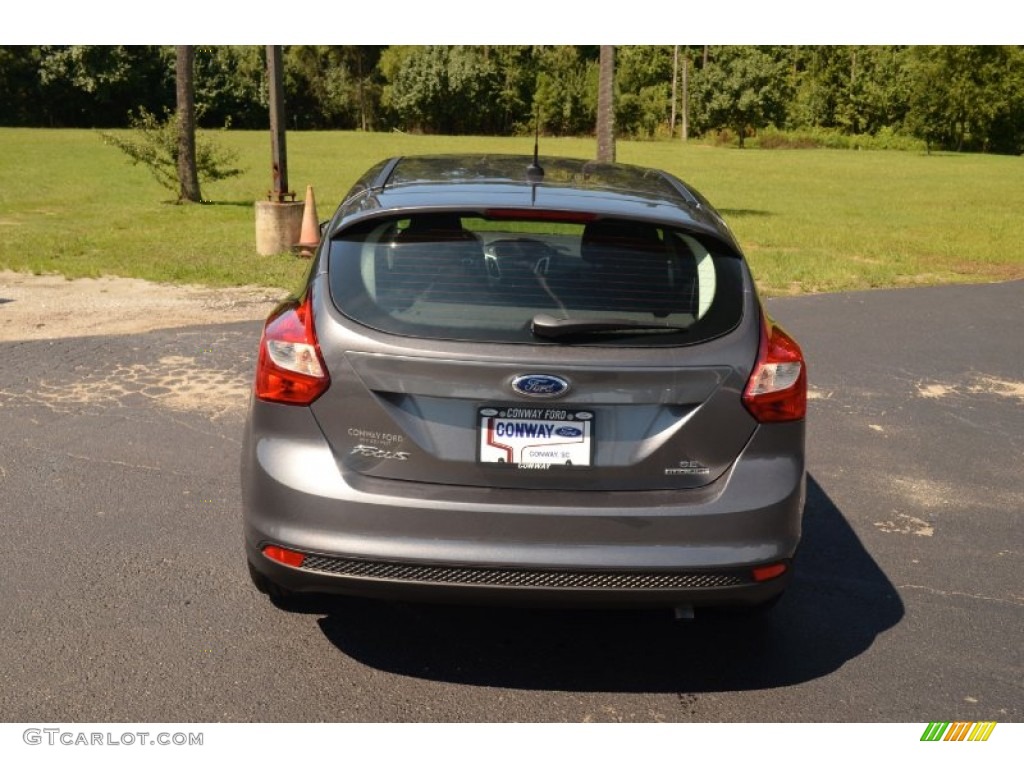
<point>606,105</point>
<point>686,97</point>
<point>188,175</point>
<point>675,78</point>
<point>278,151</point>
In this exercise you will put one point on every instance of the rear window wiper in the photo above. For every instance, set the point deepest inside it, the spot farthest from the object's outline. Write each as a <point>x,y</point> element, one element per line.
<point>549,327</point>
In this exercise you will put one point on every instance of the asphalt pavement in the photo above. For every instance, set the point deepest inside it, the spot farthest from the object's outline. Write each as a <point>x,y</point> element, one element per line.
<point>125,595</point>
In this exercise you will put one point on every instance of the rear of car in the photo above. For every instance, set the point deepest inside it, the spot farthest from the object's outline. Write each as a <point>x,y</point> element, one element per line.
<point>494,387</point>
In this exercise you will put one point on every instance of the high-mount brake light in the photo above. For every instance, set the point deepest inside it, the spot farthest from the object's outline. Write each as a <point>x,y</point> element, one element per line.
<point>526,214</point>
<point>291,369</point>
<point>777,389</point>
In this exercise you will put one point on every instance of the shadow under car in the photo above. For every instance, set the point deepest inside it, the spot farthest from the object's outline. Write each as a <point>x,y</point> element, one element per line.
<point>837,603</point>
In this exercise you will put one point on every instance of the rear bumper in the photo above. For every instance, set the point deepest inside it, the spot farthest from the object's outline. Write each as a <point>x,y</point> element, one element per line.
<point>421,541</point>
<point>433,583</point>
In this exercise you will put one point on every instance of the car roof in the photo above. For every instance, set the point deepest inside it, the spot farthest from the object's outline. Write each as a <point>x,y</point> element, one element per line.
<point>513,169</point>
<point>478,182</point>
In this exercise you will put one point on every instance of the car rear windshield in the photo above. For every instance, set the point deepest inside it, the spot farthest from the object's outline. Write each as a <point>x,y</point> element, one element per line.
<point>503,278</point>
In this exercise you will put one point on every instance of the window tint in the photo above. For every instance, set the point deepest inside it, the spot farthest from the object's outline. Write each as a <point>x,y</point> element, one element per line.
<point>454,276</point>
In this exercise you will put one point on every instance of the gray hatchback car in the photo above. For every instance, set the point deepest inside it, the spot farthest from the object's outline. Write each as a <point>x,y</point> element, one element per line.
<point>547,381</point>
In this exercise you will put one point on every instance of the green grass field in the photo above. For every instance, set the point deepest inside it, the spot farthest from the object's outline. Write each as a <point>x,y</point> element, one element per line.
<point>809,220</point>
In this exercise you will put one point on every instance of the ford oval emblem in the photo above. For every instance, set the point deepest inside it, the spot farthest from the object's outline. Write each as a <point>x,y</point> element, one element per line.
<point>540,385</point>
<point>568,432</point>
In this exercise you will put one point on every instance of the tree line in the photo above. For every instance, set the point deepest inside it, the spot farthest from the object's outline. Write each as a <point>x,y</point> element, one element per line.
<point>964,98</point>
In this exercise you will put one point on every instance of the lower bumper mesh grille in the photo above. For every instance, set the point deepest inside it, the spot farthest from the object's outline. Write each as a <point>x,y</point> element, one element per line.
<point>521,577</point>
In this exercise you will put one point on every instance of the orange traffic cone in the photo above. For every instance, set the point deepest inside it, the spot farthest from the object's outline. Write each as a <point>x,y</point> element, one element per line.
<point>309,239</point>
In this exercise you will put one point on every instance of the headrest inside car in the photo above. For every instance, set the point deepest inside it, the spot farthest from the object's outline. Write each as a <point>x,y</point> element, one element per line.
<point>607,242</point>
<point>436,226</point>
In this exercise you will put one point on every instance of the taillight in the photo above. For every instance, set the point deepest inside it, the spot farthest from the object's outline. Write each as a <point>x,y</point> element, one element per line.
<point>777,389</point>
<point>286,556</point>
<point>290,368</point>
<point>768,572</point>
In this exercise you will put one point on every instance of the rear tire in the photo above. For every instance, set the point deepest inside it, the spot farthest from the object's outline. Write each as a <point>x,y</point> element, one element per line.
<point>755,614</point>
<point>281,597</point>
<point>762,609</point>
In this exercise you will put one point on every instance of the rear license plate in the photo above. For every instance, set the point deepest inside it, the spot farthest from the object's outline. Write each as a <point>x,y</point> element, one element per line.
<point>536,437</point>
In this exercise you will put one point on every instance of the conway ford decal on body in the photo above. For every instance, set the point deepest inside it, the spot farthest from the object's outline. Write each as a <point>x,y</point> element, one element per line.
<point>540,385</point>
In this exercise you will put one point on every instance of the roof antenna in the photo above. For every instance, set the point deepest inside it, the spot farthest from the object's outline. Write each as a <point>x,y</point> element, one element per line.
<point>534,173</point>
